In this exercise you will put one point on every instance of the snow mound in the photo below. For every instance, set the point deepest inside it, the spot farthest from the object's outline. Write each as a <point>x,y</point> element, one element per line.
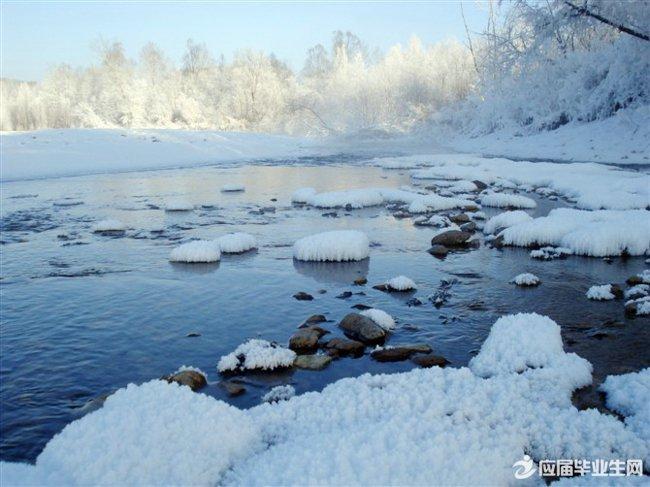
<point>505,220</point>
<point>256,354</point>
<point>550,253</point>
<point>232,188</point>
<point>394,163</point>
<point>401,283</point>
<point>526,279</point>
<point>638,291</point>
<point>178,205</point>
<point>593,233</point>
<point>334,246</point>
<point>197,251</point>
<point>505,200</point>
<point>380,317</point>
<point>600,293</point>
<point>236,243</point>
<point>351,198</point>
<point>303,195</point>
<point>468,426</point>
<point>109,225</point>
<point>279,393</point>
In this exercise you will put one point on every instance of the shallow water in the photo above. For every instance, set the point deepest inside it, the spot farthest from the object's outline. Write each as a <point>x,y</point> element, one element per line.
<point>84,314</point>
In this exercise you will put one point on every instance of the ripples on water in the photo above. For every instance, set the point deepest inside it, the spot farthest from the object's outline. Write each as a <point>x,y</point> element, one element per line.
<point>84,314</point>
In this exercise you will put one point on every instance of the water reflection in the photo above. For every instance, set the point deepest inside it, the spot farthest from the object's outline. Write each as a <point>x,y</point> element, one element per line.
<point>195,268</point>
<point>333,272</point>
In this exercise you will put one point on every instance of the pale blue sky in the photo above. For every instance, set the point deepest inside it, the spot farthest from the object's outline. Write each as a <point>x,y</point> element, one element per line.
<point>39,35</point>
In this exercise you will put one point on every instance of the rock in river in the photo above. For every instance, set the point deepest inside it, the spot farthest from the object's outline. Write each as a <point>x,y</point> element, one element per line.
<point>341,347</point>
<point>451,238</point>
<point>302,296</point>
<point>190,378</point>
<point>362,328</point>
<point>312,362</point>
<point>430,360</point>
<point>306,339</point>
<point>233,388</point>
<point>438,250</point>
<point>399,353</point>
<point>312,320</point>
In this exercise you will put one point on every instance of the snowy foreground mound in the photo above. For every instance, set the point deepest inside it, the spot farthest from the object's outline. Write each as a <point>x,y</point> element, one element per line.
<point>197,251</point>
<point>462,426</point>
<point>335,246</point>
<point>594,233</point>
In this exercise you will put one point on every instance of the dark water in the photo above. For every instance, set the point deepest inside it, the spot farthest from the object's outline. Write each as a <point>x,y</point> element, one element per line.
<point>84,314</point>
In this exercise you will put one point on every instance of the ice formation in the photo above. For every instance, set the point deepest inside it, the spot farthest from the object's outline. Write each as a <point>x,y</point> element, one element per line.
<point>600,293</point>
<point>468,426</point>
<point>236,243</point>
<point>526,279</point>
<point>279,393</point>
<point>178,205</point>
<point>197,251</point>
<point>256,354</point>
<point>401,283</point>
<point>334,246</point>
<point>109,225</point>
<point>383,319</point>
<point>505,220</point>
<point>303,195</point>
<point>506,200</point>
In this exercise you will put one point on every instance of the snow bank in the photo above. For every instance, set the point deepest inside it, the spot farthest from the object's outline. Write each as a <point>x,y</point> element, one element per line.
<point>334,246</point>
<point>592,186</point>
<point>600,293</point>
<point>178,205</point>
<point>279,393</point>
<point>506,200</point>
<point>383,319</point>
<point>197,251</point>
<point>109,225</point>
<point>232,188</point>
<point>526,279</point>
<point>401,283</point>
<point>505,220</point>
<point>467,425</point>
<point>303,195</point>
<point>236,243</point>
<point>256,354</point>
<point>594,233</point>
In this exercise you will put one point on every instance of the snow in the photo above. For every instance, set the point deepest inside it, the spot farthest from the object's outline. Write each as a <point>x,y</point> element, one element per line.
<point>645,276</point>
<point>433,221</point>
<point>505,220</point>
<point>401,283</point>
<point>232,188</point>
<point>380,317</point>
<point>505,200</point>
<point>178,204</point>
<point>550,253</point>
<point>526,279</point>
<point>279,393</point>
<point>593,233</point>
<point>468,426</point>
<point>72,152</point>
<point>303,195</point>
<point>333,246</point>
<point>257,354</point>
<point>638,291</point>
<point>236,243</point>
<point>355,198</point>
<point>600,293</point>
<point>109,225</point>
<point>642,306</point>
<point>197,251</point>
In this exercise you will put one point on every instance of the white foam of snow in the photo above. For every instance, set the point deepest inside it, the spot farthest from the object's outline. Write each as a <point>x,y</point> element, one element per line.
<point>257,354</point>
<point>600,293</point>
<point>468,426</point>
<point>109,225</point>
<point>279,393</point>
<point>197,251</point>
<point>401,283</point>
<point>505,220</point>
<point>594,233</point>
<point>334,246</point>
<point>380,317</point>
<point>235,243</point>
<point>526,279</point>
<point>506,200</point>
<point>303,195</point>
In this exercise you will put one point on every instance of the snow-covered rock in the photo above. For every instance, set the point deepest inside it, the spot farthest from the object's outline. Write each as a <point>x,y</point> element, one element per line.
<point>600,293</point>
<point>178,205</point>
<point>256,354</point>
<point>593,233</point>
<point>303,195</point>
<point>526,280</point>
<point>236,243</point>
<point>506,200</point>
<point>505,220</point>
<point>401,283</point>
<point>233,188</point>
<point>279,393</point>
<point>109,225</point>
<point>334,246</point>
<point>197,251</point>
<point>468,426</point>
<point>383,319</point>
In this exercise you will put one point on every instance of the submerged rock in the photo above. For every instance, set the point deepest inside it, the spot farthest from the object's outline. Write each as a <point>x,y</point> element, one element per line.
<point>362,328</point>
<point>480,185</point>
<point>312,320</point>
<point>312,362</point>
<point>451,238</point>
<point>430,360</point>
<point>305,339</point>
<point>233,388</point>
<point>459,218</point>
<point>438,250</point>
<point>341,347</point>
<point>468,227</point>
<point>399,353</point>
<point>360,281</point>
<point>302,296</point>
<point>345,295</point>
<point>191,378</point>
